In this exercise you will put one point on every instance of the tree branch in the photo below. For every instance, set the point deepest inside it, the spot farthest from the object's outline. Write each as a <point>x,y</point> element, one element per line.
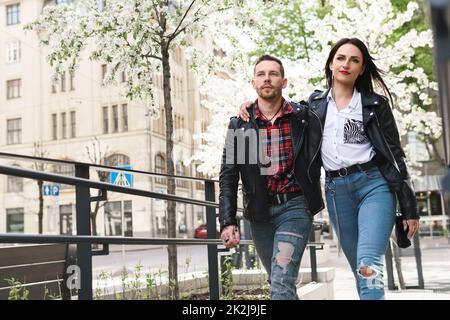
<point>175,33</point>
<point>148,55</point>
<point>156,13</point>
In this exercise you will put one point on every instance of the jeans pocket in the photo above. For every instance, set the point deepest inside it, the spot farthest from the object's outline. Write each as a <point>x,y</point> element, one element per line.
<point>330,185</point>
<point>373,173</point>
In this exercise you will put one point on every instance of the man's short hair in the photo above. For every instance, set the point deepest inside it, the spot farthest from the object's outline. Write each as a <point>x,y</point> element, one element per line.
<point>267,57</point>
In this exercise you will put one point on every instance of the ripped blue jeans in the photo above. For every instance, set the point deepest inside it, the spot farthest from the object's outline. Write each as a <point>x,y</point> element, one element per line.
<point>362,211</point>
<point>280,244</point>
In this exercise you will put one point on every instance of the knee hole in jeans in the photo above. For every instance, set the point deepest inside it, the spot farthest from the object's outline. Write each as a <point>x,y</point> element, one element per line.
<point>284,254</point>
<point>367,272</point>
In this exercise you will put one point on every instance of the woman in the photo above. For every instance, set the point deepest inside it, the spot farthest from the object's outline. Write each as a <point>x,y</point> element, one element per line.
<point>353,135</point>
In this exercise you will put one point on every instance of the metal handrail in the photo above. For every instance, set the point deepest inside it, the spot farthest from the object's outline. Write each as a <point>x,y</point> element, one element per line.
<point>75,181</point>
<point>100,166</point>
<point>39,238</point>
<point>83,200</point>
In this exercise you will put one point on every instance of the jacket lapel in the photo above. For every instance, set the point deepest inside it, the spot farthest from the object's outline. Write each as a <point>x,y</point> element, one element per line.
<point>320,108</point>
<point>295,132</point>
<point>369,101</point>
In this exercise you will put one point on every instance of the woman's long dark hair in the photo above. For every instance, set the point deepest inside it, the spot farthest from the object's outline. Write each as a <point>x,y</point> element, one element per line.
<point>371,72</point>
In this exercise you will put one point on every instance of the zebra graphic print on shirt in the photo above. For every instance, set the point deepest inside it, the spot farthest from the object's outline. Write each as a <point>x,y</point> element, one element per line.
<point>354,132</point>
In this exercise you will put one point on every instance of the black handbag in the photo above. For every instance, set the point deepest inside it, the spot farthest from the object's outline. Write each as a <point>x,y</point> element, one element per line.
<point>401,234</point>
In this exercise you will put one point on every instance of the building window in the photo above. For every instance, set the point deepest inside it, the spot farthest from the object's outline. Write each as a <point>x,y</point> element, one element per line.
<point>113,218</point>
<point>63,1</point>
<point>72,80</point>
<point>179,126</point>
<point>204,128</point>
<point>105,120</point>
<point>104,69</point>
<point>63,126</point>
<point>66,170</point>
<point>182,217</point>
<point>123,77</point>
<point>13,52</point>
<point>125,117</point>
<point>15,184</point>
<point>14,131</point>
<point>117,160</point>
<point>73,124</point>
<point>200,185</point>
<point>115,114</point>
<point>102,5</point>
<point>15,220</point>
<point>13,88</point>
<point>54,126</point>
<point>53,87</point>
<point>65,219</point>
<point>160,123</point>
<point>160,167</point>
<point>13,14</point>
<point>180,171</point>
<point>128,218</point>
<point>63,81</point>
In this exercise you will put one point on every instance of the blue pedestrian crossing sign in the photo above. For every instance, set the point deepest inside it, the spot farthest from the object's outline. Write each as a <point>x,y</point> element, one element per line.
<point>121,178</point>
<point>50,190</point>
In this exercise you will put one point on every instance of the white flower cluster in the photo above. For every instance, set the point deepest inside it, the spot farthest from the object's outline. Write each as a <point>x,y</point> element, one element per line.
<point>374,22</point>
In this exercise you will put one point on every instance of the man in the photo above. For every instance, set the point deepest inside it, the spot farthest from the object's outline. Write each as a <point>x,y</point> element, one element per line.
<point>268,154</point>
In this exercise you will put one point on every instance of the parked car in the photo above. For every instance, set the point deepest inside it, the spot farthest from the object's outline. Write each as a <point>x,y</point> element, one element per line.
<point>202,233</point>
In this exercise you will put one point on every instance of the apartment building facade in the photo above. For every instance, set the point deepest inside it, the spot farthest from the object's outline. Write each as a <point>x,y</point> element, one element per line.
<point>65,119</point>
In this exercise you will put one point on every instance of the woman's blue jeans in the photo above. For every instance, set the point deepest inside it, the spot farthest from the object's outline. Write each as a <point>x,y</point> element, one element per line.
<point>280,244</point>
<point>362,211</point>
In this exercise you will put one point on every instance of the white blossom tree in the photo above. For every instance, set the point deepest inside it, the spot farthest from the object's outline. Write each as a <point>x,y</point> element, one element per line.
<point>303,32</point>
<point>135,37</point>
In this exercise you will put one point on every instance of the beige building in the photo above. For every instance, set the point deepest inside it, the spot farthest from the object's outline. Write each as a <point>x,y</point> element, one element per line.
<point>65,118</point>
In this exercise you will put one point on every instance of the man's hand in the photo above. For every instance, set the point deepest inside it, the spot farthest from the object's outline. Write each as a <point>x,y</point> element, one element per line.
<point>413,225</point>
<point>243,113</point>
<point>230,236</point>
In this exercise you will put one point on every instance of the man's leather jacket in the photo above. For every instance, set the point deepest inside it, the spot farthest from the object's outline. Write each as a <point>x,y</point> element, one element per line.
<point>254,187</point>
<point>380,127</point>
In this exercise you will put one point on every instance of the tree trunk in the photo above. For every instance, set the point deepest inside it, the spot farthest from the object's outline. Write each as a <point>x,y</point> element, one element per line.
<point>94,215</point>
<point>171,215</point>
<point>41,206</point>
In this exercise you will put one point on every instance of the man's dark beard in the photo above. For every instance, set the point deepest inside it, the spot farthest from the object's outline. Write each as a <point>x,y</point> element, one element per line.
<point>276,93</point>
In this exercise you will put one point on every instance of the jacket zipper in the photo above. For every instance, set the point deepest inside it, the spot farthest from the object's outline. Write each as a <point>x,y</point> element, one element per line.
<point>386,144</point>
<point>301,140</point>
<point>318,148</point>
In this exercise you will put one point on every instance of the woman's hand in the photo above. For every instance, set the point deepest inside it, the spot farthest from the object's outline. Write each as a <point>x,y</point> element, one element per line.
<point>243,112</point>
<point>412,225</point>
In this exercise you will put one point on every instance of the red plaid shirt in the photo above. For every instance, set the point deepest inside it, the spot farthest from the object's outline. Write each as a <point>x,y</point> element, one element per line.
<point>280,168</point>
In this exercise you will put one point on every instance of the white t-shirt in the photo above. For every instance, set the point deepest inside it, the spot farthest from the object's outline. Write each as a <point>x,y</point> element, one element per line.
<point>344,141</point>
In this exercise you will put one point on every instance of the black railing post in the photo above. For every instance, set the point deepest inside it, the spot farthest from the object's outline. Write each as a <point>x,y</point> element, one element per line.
<point>312,255</point>
<point>418,256</point>
<point>84,251</point>
<point>390,267</point>
<point>211,227</point>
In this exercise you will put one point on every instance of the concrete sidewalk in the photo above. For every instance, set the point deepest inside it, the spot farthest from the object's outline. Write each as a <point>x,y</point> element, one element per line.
<point>436,272</point>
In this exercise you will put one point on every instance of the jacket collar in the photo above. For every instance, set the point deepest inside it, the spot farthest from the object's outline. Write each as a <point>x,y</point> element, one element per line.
<point>370,99</point>
<point>319,106</point>
<point>367,98</point>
